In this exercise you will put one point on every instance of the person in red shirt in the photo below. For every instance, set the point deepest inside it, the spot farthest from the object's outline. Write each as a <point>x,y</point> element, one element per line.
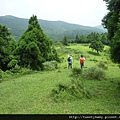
<point>82,60</point>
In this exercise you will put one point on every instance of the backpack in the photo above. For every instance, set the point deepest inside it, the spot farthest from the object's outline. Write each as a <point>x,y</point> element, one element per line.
<point>81,60</point>
<point>69,59</point>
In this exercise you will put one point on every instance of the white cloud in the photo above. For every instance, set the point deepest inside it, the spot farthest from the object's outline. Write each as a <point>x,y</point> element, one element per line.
<point>84,12</point>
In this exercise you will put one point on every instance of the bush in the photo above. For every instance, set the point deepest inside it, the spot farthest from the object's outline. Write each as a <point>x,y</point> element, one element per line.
<point>72,91</point>
<point>15,72</point>
<point>16,69</point>
<point>76,72</point>
<point>24,71</point>
<point>103,65</point>
<point>94,73</point>
<point>7,74</point>
<point>50,65</point>
<point>19,70</point>
<point>12,63</point>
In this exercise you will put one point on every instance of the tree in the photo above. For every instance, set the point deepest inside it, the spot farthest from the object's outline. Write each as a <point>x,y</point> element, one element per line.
<point>104,39</point>
<point>111,21</point>
<point>93,36</point>
<point>96,45</point>
<point>65,41</point>
<point>6,47</point>
<point>83,39</point>
<point>34,47</point>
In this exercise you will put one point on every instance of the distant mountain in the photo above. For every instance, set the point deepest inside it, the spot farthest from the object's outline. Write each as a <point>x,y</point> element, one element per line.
<point>101,27</point>
<point>56,30</point>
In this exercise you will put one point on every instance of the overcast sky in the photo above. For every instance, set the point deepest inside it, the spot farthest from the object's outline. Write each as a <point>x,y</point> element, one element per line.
<point>83,12</point>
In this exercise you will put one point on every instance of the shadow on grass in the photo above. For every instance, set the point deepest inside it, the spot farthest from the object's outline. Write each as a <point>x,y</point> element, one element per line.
<point>93,53</point>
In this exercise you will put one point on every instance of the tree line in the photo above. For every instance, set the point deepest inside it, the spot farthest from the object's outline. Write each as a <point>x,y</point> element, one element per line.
<point>96,40</point>
<point>111,21</point>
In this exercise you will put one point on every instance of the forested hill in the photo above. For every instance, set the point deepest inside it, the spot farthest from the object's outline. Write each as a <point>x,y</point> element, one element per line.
<point>56,30</point>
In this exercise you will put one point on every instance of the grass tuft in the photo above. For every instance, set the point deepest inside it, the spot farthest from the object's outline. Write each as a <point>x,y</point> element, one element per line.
<point>75,90</point>
<point>94,73</point>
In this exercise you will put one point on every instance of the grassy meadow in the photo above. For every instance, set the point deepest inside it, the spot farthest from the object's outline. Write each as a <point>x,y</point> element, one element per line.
<point>31,93</point>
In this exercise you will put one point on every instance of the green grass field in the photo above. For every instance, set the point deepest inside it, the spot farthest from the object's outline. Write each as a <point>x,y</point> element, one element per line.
<point>30,94</point>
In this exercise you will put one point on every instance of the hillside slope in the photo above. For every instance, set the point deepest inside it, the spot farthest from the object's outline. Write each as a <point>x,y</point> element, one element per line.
<point>56,30</point>
<point>101,27</point>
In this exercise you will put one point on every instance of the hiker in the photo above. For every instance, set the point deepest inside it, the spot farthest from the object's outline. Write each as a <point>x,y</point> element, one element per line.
<point>70,61</point>
<point>82,59</point>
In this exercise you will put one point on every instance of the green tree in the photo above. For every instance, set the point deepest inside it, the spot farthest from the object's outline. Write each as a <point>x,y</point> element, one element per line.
<point>65,41</point>
<point>96,45</point>
<point>83,39</point>
<point>104,39</point>
<point>6,47</point>
<point>34,47</point>
<point>111,21</point>
<point>76,39</point>
<point>93,36</point>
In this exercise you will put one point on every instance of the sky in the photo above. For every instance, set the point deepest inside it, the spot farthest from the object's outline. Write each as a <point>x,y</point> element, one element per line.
<point>82,12</point>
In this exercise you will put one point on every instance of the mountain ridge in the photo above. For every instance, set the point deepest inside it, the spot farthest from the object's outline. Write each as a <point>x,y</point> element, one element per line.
<point>56,30</point>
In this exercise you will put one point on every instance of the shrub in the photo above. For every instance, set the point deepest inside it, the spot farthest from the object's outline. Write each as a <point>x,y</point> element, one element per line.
<point>72,91</point>
<point>16,69</point>
<point>103,65</point>
<point>24,71</point>
<point>12,63</point>
<point>19,70</point>
<point>7,74</point>
<point>94,73</point>
<point>76,71</point>
<point>50,65</point>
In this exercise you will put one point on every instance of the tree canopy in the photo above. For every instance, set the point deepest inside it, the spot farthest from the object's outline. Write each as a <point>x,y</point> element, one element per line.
<point>65,40</point>
<point>97,45</point>
<point>34,47</point>
<point>111,21</point>
<point>7,45</point>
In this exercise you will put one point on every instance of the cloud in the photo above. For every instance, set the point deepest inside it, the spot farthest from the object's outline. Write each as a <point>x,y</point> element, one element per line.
<point>84,12</point>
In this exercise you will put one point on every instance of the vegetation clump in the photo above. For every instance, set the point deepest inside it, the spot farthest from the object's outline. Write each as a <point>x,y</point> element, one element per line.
<point>75,90</point>
<point>76,72</point>
<point>102,65</point>
<point>50,65</point>
<point>94,73</point>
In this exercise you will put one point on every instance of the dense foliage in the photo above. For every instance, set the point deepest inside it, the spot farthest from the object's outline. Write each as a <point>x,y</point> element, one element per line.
<point>7,45</point>
<point>65,41</point>
<point>112,22</point>
<point>34,47</point>
<point>91,37</point>
<point>30,51</point>
<point>97,45</point>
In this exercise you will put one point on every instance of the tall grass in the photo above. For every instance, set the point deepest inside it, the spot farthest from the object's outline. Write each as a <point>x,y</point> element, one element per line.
<point>72,91</point>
